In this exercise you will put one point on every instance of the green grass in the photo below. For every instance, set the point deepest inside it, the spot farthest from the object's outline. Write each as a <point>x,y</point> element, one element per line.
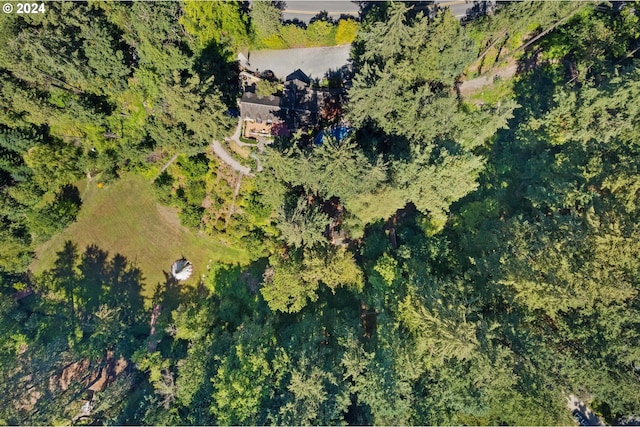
<point>499,90</point>
<point>235,149</point>
<point>125,218</point>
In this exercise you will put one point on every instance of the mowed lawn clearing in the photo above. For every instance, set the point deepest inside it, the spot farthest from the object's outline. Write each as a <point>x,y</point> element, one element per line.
<point>125,218</point>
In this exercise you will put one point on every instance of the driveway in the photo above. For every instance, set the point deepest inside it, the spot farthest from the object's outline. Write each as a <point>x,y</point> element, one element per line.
<point>314,61</point>
<point>228,159</point>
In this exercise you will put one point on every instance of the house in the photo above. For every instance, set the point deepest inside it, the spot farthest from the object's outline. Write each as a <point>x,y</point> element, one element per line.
<point>260,113</point>
<point>297,108</point>
<point>302,101</point>
<point>298,79</point>
<point>260,109</point>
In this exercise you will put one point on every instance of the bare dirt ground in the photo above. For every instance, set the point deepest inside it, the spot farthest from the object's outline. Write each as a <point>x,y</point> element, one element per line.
<point>470,86</point>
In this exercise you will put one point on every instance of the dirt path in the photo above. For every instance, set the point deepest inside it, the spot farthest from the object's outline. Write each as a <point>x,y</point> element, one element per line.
<point>232,209</point>
<point>166,165</point>
<point>153,342</point>
<point>470,86</point>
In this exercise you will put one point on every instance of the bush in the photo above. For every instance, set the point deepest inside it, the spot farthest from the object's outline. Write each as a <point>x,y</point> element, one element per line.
<point>274,41</point>
<point>294,36</point>
<point>321,33</point>
<point>346,31</point>
<point>195,192</point>
<point>55,216</point>
<point>266,88</point>
<point>191,216</point>
<point>163,186</point>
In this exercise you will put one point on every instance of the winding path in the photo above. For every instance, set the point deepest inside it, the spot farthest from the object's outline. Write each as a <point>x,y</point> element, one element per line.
<point>219,150</point>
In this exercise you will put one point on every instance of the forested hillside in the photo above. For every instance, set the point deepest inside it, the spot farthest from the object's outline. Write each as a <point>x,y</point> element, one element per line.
<point>465,256</point>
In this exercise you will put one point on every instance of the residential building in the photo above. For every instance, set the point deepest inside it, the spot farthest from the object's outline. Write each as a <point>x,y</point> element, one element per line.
<point>297,108</point>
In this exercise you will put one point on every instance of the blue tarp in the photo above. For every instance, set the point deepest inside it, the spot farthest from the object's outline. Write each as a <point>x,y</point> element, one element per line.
<point>338,132</point>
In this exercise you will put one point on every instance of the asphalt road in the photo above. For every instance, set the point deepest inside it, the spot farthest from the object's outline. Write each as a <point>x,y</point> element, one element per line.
<point>305,10</point>
<point>458,7</point>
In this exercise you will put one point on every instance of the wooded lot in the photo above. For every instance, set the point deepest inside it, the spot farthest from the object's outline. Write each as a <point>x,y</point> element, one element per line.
<point>467,258</point>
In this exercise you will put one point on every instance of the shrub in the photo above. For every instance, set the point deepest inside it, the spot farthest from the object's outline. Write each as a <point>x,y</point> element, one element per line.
<point>346,31</point>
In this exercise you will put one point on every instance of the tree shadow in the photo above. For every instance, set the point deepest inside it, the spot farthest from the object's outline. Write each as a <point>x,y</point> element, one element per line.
<point>323,15</point>
<point>339,78</point>
<point>168,294</point>
<point>235,292</point>
<point>104,292</point>
<point>373,10</point>
<point>214,62</point>
<point>295,21</point>
<point>375,142</point>
<point>113,282</point>
<point>479,9</point>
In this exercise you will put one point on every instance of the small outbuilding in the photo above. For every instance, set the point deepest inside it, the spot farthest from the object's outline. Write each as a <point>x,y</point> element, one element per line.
<point>181,269</point>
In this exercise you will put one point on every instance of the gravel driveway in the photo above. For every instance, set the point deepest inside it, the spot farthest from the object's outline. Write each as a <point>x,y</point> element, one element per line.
<point>314,61</point>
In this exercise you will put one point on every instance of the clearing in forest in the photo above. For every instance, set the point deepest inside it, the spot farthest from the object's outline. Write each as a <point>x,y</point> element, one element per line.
<point>125,218</point>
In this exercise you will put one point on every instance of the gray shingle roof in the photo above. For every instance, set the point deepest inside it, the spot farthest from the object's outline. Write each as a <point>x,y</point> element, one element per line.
<point>299,79</point>
<point>260,108</point>
<point>298,106</point>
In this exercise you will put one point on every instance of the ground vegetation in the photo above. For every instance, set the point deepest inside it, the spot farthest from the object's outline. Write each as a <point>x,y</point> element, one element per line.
<point>456,259</point>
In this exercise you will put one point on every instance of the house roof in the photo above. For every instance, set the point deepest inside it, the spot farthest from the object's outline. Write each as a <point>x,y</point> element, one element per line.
<point>306,101</point>
<point>299,103</point>
<point>299,78</point>
<point>253,98</point>
<point>260,108</point>
<point>299,75</point>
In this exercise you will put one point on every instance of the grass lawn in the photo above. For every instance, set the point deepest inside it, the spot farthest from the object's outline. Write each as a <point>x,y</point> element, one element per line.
<point>125,218</point>
<point>243,152</point>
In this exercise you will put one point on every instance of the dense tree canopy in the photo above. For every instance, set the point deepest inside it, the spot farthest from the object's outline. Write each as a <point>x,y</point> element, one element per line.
<point>461,257</point>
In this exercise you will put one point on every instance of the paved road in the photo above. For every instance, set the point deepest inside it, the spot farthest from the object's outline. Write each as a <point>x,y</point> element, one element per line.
<point>458,7</point>
<point>315,61</point>
<point>305,10</point>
